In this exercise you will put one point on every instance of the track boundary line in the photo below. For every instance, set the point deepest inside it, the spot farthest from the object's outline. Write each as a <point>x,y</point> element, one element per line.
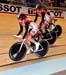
<point>31,59</point>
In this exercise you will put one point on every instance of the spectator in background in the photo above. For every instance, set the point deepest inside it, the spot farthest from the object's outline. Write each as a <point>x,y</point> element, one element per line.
<point>57,3</point>
<point>3,1</point>
<point>46,2</point>
<point>42,2</point>
<point>6,1</point>
<point>32,3</point>
<point>23,1</point>
<point>9,1</point>
<point>62,3</point>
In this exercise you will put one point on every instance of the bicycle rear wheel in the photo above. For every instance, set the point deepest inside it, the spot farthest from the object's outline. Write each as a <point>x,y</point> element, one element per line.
<point>58,30</point>
<point>43,48</point>
<point>53,39</point>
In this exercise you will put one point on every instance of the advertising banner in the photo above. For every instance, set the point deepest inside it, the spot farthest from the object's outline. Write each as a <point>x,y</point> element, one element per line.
<point>7,8</point>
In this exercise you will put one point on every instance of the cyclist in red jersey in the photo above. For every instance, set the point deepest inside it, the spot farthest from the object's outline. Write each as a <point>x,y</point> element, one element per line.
<point>29,24</point>
<point>46,17</point>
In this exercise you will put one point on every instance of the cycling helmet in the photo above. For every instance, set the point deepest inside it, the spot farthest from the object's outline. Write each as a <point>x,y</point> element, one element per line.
<point>22,16</point>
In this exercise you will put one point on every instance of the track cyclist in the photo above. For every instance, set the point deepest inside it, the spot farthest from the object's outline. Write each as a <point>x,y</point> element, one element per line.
<point>30,30</point>
<point>46,17</point>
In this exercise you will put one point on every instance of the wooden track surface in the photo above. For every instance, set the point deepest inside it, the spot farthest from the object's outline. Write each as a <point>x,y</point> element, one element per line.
<point>9,25</point>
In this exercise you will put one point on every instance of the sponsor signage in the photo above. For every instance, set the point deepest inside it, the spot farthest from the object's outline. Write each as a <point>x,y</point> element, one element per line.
<point>56,12</point>
<point>12,8</point>
<point>27,10</point>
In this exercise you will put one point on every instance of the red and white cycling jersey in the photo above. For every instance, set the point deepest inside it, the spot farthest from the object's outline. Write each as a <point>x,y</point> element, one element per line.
<point>32,25</point>
<point>52,16</point>
<point>34,28</point>
<point>47,18</point>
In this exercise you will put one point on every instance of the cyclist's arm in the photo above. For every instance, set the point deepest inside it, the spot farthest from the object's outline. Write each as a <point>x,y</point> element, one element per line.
<point>42,17</point>
<point>36,17</point>
<point>26,29</point>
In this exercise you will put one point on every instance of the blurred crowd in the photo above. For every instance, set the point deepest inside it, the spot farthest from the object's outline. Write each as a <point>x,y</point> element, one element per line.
<point>31,3</point>
<point>5,1</point>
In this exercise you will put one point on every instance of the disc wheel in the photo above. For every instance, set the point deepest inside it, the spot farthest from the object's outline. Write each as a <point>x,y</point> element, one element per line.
<point>43,48</point>
<point>14,49</point>
<point>50,37</point>
<point>53,37</point>
<point>58,30</point>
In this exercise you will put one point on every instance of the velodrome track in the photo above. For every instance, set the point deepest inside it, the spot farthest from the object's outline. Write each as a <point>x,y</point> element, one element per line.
<point>9,26</point>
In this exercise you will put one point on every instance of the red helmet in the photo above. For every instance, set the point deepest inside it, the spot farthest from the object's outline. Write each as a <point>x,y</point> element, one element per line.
<point>22,16</point>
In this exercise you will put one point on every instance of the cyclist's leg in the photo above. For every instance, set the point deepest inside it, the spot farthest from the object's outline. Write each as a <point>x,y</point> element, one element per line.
<point>32,33</point>
<point>27,46</point>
